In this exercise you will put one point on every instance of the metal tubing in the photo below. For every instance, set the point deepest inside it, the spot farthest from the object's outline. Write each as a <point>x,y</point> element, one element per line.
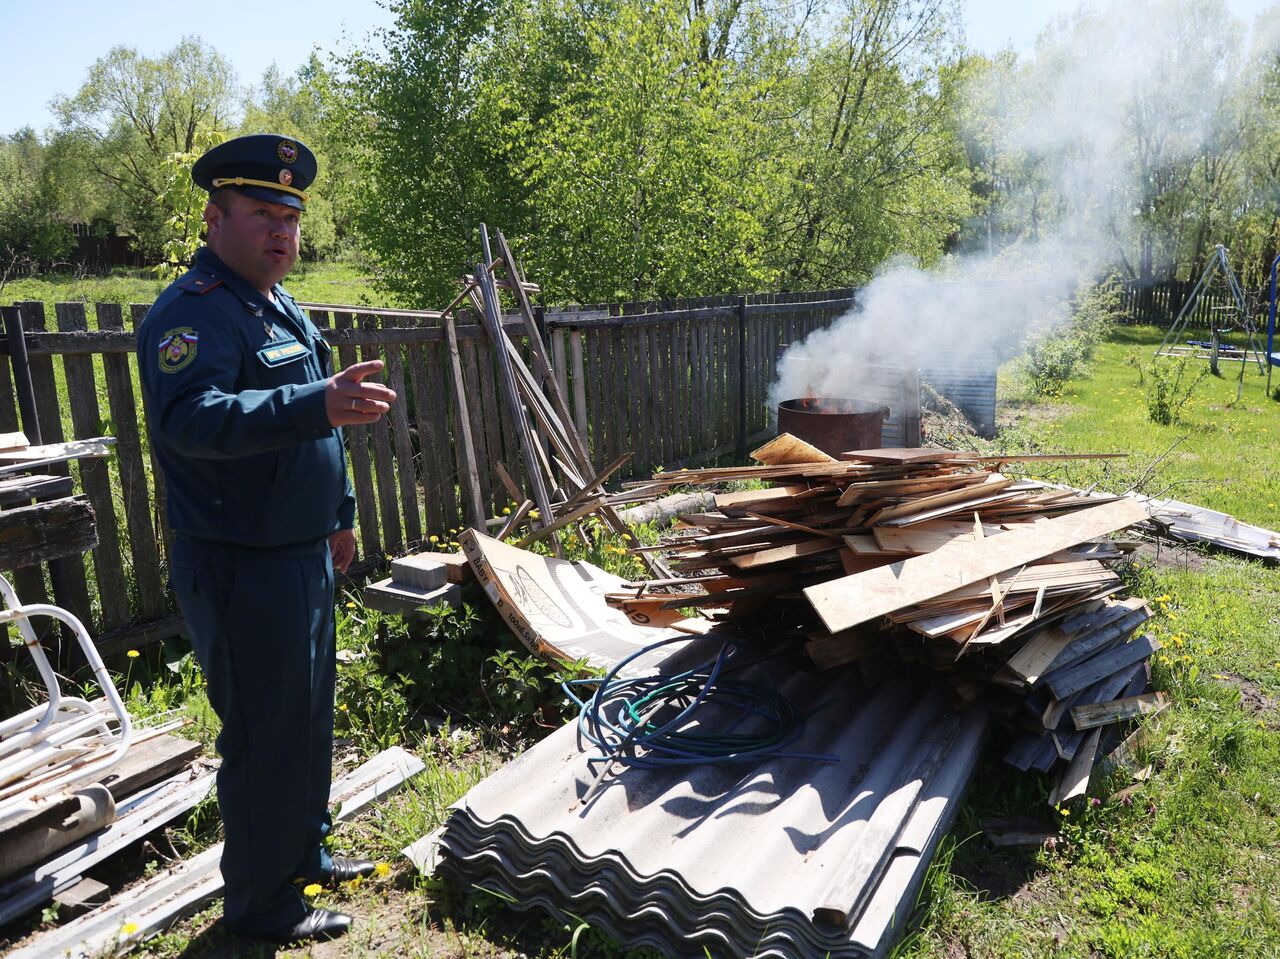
<point>17,343</point>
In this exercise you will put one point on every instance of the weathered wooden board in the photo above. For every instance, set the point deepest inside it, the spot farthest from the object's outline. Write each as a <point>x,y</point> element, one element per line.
<point>866,596</point>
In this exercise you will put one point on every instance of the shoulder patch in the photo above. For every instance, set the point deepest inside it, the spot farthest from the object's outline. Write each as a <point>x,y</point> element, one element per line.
<point>199,283</point>
<point>177,349</point>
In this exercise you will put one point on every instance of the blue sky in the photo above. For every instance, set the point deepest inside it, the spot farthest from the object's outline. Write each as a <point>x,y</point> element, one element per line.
<point>46,46</point>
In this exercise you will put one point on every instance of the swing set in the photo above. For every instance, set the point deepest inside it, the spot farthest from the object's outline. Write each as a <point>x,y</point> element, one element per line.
<point>1237,315</point>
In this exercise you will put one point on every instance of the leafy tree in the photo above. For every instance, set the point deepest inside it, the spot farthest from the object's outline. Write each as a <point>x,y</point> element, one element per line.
<point>132,112</point>
<point>637,178</point>
<point>296,106</point>
<point>32,231</point>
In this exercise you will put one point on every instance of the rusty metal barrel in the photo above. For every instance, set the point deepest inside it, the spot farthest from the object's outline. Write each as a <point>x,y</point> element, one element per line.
<point>833,424</point>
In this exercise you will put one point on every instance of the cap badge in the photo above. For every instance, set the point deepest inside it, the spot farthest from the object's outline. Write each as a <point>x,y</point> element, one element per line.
<point>287,151</point>
<point>286,177</point>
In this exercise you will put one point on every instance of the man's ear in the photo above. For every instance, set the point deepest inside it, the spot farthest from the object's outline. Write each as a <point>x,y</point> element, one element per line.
<point>212,218</point>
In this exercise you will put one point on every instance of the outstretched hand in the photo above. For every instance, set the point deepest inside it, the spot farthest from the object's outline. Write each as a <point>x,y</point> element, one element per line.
<point>349,400</point>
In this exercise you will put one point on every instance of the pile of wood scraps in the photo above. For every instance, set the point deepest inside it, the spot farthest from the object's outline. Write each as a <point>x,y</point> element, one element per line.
<point>926,556</point>
<point>561,486</point>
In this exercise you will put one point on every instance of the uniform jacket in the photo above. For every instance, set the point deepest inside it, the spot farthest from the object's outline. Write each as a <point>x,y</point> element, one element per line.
<point>233,386</point>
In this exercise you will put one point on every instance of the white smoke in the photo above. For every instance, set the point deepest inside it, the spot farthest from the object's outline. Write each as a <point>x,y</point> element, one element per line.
<point>1109,103</point>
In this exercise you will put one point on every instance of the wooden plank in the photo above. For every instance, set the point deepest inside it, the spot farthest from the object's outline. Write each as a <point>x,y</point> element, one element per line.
<point>501,438</point>
<point>70,585</point>
<point>781,554</point>
<point>955,498</point>
<point>649,336</point>
<point>479,437</point>
<point>828,652</point>
<point>428,426</point>
<point>597,390</point>
<point>21,490</point>
<point>143,549</point>
<point>406,471</point>
<point>579,387</point>
<point>391,539</point>
<point>1064,682</point>
<point>1089,715</point>
<point>86,418</point>
<point>785,448</point>
<point>160,515</point>
<point>866,596</point>
<point>1036,656</point>
<point>148,762</point>
<point>464,437</point>
<point>36,534</point>
<point>1075,778</point>
<point>357,438</point>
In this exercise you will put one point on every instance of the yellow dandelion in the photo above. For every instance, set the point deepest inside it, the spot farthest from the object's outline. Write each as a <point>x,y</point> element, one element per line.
<point>355,883</point>
<point>133,654</point>
<point>506,511</point>
<point>381,870</point>
<point>351,605</point>
<point>128,929</point>
<point>342,707</point>
<point>312,889</point>
<point>533,514</point>
<point>433,538</point>
<point>454,545</point>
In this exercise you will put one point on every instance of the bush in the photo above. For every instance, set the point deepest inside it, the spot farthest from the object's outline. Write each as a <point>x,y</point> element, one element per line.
<point>1170,388</point>
<point>1058,354</point>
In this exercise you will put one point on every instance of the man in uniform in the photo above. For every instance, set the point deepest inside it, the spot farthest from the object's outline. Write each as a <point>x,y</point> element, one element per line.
<point>243,409</point>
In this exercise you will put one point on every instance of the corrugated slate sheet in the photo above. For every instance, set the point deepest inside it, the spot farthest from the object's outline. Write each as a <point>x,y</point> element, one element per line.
<point>967,380</point>
<point>787,857</point>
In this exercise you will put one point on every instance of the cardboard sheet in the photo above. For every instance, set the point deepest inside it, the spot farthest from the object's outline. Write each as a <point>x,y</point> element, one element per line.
<point>558,609</point>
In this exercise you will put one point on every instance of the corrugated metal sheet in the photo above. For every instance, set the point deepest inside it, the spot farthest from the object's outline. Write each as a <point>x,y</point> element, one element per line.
<point>787,858</point>
<point>969,381</point>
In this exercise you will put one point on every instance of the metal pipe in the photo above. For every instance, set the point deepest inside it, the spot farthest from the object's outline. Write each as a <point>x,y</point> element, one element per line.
<point>17,343</point>
<point>56,742</point>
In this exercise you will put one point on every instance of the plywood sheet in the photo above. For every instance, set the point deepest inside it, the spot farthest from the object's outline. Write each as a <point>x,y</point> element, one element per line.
<point>864,597</point>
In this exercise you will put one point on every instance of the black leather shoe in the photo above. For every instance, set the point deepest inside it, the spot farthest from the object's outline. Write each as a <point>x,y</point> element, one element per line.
<point>318,925</point>
<point>344,870</point>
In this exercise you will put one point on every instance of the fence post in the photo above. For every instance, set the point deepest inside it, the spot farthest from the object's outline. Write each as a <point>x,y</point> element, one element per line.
<point>742,379</point>
<point>21,373</point>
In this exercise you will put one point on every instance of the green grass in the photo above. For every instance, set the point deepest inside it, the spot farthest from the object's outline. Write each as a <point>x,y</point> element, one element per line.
<point>1222,454</point>
<point>336,283</point>
<point>1187,865</point>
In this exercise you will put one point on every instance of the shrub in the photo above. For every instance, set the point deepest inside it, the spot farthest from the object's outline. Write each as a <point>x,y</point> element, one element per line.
<point>1170,388</point>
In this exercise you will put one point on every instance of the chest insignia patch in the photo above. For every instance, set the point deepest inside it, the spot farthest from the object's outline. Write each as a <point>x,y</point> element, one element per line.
<point>178,349</point>
<point>281,351</point>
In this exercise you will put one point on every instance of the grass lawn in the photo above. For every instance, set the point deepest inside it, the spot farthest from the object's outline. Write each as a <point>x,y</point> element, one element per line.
<point>1187,864</point>
<point>340,283</point>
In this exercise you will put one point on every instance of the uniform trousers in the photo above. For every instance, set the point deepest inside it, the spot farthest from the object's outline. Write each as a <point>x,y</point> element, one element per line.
<point>262,626</point>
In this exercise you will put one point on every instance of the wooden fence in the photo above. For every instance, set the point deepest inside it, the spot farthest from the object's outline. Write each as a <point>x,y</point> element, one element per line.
<point>1160,303</point>
<point>678,383</point>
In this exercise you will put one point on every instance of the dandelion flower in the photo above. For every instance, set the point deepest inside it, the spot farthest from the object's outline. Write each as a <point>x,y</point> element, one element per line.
<point>351,605</point>
<point>381,870</point>
<point>342,707</point>
<point>128,929</point>
<point>433,538</point>
<point>312,889</point>
<point>133,654</point>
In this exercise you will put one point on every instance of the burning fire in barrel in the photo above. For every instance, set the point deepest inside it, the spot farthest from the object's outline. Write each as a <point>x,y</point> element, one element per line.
<point>833,424</point>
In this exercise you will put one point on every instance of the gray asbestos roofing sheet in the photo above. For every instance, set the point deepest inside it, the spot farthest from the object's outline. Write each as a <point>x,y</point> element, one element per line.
<point>782,857</point>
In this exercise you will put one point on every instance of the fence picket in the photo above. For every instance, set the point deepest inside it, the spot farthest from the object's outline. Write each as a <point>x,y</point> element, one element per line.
<point>124,408</point>
<point>406,474</point>
<point>357,438</point>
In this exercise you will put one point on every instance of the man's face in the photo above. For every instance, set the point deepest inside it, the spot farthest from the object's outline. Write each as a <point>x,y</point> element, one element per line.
<point>256,238</point>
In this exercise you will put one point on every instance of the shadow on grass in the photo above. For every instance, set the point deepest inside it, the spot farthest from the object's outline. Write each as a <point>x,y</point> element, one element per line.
<point>214,942</point>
